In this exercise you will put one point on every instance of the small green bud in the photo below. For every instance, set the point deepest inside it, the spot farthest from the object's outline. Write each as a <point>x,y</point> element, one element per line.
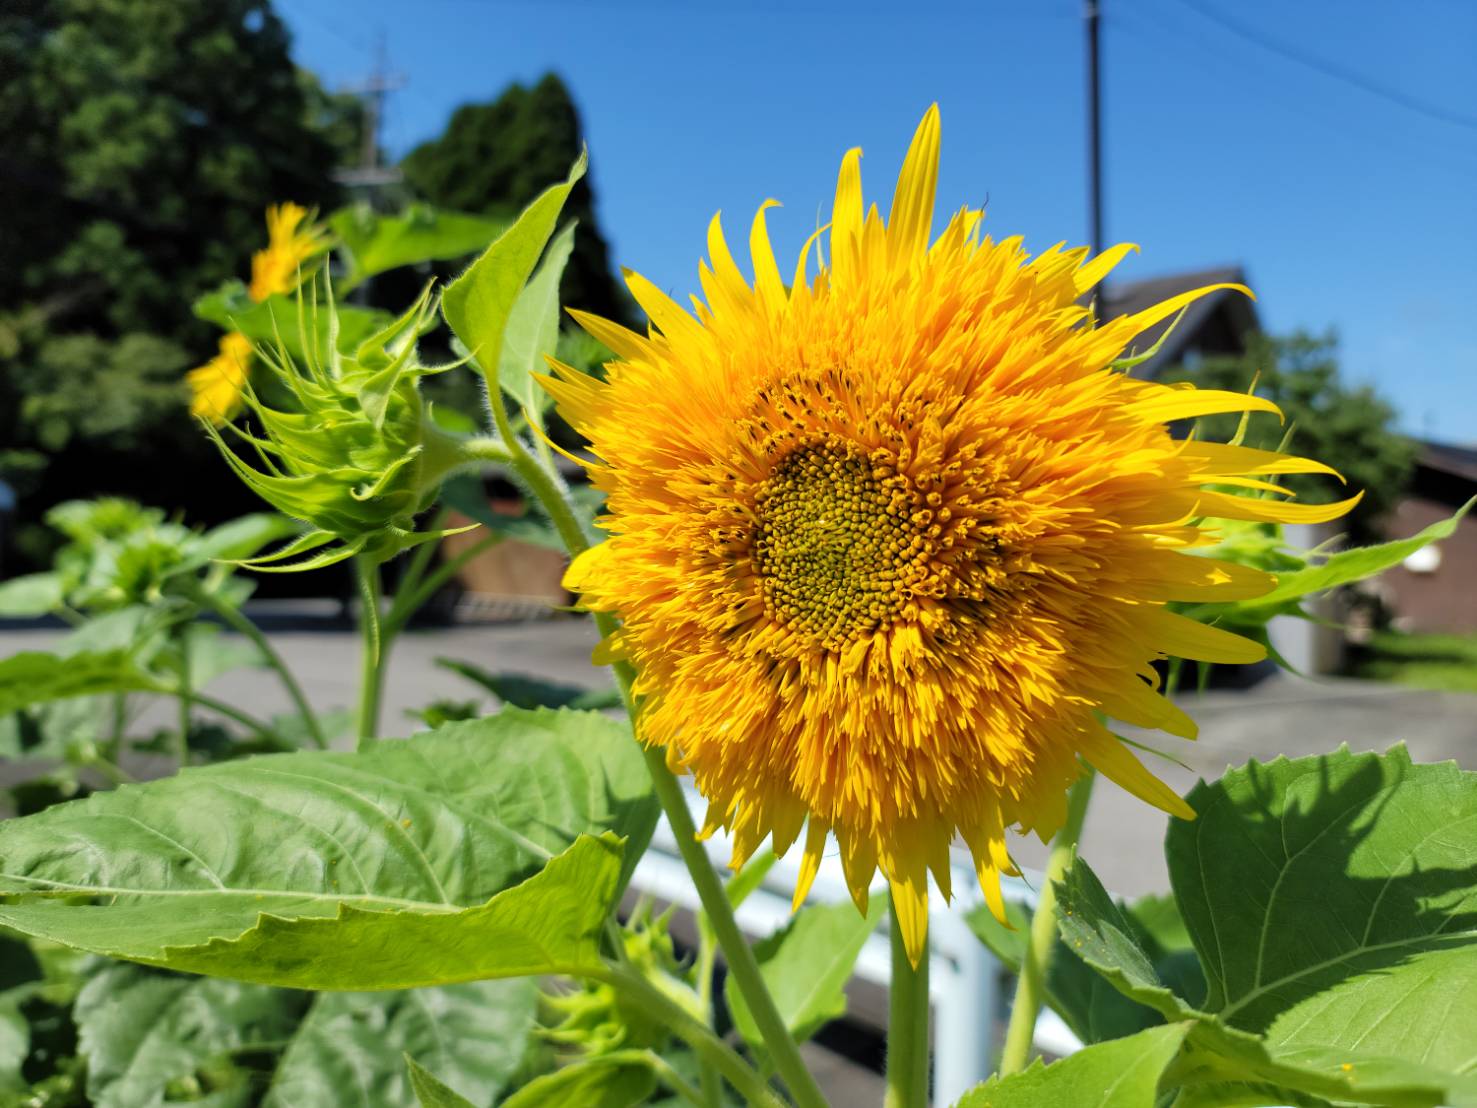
<point>356,456</point>
<point>595,1018</point>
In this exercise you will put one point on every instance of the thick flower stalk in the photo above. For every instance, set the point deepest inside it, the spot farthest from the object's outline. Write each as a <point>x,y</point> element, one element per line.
<point>357,456</point>
<point>887,540</point>
<point>218,387</point>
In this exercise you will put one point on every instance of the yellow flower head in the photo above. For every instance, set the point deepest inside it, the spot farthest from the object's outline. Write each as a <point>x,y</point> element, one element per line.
<point>275,269</point>
<point>886,541</point>
<point>216,387</point>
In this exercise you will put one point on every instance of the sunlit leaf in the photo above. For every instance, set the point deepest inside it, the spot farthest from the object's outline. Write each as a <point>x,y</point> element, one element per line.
<point>375,243</point>
<point>478,303</point>
<point>533,330</point>
<point>1122,1073</point>
<point>473,1035</point>
<point>411,863</point>
<point>616,1080</point>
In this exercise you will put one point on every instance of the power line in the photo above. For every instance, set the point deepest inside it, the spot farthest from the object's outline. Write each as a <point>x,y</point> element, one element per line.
<point>1331,69</point>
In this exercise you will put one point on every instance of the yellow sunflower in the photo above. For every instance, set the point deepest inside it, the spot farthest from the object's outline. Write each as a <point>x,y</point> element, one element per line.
<point>216,387</point>
<point>885,542</point>
<point>275,269</point>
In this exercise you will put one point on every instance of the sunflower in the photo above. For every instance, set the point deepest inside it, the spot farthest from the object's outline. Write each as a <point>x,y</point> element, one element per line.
<point>276,269</point>
<point>216,387</point>
<point>889,542</point>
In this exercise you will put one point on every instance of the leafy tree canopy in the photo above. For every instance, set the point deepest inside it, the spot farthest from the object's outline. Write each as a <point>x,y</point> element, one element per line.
<point>1350,428</point>
<point>494,158</point>
<point>140,143</point>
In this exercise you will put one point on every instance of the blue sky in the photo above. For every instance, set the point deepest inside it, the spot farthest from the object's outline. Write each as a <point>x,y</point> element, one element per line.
<point>1348,210</point>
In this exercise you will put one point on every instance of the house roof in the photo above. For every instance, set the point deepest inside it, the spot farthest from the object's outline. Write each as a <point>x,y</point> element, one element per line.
<point>1135,296</point>
<point>1443,457</point>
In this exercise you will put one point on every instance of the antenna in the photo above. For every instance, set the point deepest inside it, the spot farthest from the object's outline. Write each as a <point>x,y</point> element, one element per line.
<point>373,91</point>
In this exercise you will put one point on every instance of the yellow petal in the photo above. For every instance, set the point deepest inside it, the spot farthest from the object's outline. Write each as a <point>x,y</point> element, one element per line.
<point>859,863</point>
<point>1174,576</point>
<point>911,218</point>
<point>810,861</point>
<point>846,216</point>
<point>910,907</point>
<point>1182,637</point>
<point>1217,459</point>
<point>1132,701</point>
<point>1094,271</point>
<point>767,281</point>
<point>1224,506</point>
<point>1140,322</point>
<point>1162,404</point>
<point>623,343</point>
<point>1114,760</point>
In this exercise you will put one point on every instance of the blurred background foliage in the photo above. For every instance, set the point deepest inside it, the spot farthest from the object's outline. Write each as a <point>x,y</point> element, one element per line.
<point>143,140</point>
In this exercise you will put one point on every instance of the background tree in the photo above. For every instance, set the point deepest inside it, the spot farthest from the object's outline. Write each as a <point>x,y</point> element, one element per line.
<point>494,158</point>
<point>1349,428</point>
<point>140,142</point>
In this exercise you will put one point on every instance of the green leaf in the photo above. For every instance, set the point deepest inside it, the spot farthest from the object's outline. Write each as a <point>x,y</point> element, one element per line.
<point>806,965</point>
<point>34,594</point>
<point>376,243</point>
<point>33,677</point>
<point>349,1049</point>
<point>1342,568</point>
<point>477,304</point>
<point>616,1080</point>
<point>464,493</point>
<point>521,690</point>
<point>533,330</point>
<point>243,537</point>
<point>15,1045</point>
<point>1333,902</point>
<point>147,1035</point>
<point>351,871</point>
<point>1226,1056</point>
<point>1091,1007</point>
<point>1123,1073</point>
<point>275,320</point>
<point>430,1092</point>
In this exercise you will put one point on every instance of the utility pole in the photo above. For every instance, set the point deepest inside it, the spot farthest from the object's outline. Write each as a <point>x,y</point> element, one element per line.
<point>1094,130</point>
<point>369,174</point>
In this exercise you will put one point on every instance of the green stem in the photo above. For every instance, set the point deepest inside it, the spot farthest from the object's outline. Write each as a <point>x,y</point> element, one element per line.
<point>420,558</point>
<point>371,671</point>
<point>674,1080</point>
<point>220,707</point>
<point>184,692</point>
<point>667,1013</point>
<point>401,610</point>
<point>907,1026</point>
<point>1030,991</point>
<point>741,964</point>
<point>119,725</point>
<point>235,619</point>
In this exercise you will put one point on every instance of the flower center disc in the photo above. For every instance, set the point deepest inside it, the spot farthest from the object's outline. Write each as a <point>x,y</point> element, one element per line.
<point>835,542</point>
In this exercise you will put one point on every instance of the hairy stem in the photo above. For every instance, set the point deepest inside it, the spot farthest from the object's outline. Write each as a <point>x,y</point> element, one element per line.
<point>907,1026</point>
<point>371,657</point>
<point>661,1008</point>
<point>182,744</point>
<point>235,619</point>
<point>1030,990</point>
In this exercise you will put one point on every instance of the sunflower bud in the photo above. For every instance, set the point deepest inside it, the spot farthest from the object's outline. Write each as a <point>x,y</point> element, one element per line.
<point>597,1018</point>
<point>355,454</point>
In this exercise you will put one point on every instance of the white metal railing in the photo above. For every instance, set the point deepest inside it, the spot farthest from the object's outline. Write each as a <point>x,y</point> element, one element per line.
<point>964,977</point>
